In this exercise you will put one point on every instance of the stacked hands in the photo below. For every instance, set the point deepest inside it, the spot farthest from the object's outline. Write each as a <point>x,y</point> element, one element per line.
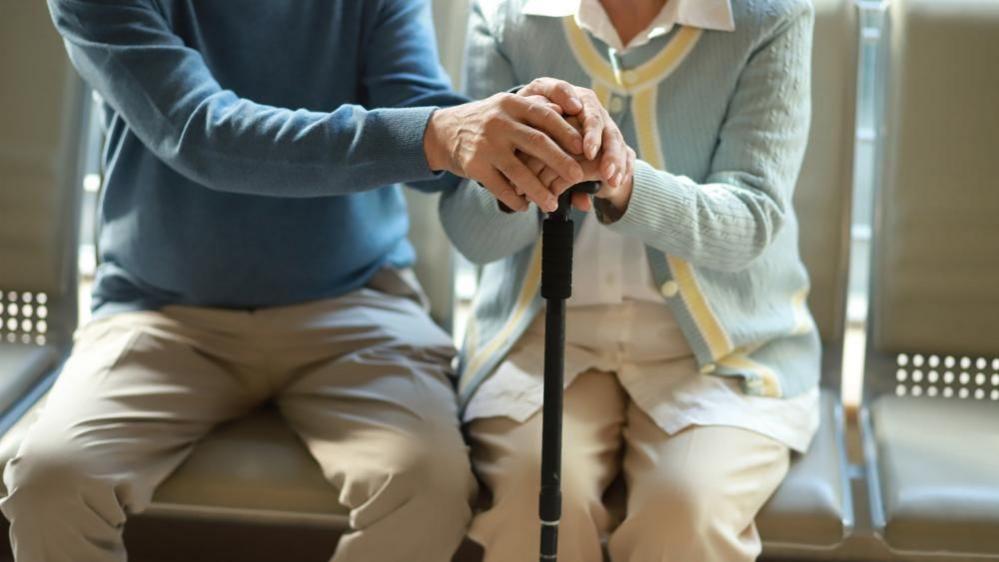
<point>531,146</point>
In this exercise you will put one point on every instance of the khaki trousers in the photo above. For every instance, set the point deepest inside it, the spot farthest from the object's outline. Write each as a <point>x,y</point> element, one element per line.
<point>691,497</point>
<point>362,379</point>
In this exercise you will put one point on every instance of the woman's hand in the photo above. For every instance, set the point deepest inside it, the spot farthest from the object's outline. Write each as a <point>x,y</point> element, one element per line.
<point>601,135</point>
<point>616,196</point>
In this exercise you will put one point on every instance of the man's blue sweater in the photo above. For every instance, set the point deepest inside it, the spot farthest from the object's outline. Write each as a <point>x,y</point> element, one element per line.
<point>254,147</point>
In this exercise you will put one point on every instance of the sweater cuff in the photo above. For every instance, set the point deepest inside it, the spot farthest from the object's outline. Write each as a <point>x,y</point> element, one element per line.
<point>657,201</point>
<point>399,132</point>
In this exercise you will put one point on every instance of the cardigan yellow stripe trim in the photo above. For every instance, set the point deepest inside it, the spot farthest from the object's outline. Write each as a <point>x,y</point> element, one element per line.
<point>717,340</point>
<point>647,75</point>
<point>654,71</point>
<point>643,107</point>
<point>768,381</point>
<point>588,57</point>
<point>802,324</point>
<point>719,344</point>
<point>603,92</point>
<point>532,282</point>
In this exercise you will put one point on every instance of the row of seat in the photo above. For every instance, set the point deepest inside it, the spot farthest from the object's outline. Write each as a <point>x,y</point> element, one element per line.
<point>927,486</point>
<point>931,421</point>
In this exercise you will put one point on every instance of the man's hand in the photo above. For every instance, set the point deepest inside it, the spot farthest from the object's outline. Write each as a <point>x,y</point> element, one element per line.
<point>600,133</point>
<point>480,140</point>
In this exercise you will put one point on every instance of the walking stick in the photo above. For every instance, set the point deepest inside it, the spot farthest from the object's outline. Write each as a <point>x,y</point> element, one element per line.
<point>556,286</point>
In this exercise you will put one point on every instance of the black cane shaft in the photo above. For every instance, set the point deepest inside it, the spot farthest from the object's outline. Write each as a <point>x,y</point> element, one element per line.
<point>550,508</point>
<point>556,287</point>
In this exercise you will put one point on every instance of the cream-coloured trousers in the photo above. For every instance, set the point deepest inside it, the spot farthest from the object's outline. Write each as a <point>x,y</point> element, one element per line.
<point>691,497</point>
<point>362,379</point>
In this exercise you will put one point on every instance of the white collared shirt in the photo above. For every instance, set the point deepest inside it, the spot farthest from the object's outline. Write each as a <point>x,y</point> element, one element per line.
<point>591,16</point>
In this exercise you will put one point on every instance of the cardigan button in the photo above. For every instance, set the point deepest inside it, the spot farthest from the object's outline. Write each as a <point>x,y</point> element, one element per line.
<point>630,77</point>
<point>669,289</point>
<point>616,105</point>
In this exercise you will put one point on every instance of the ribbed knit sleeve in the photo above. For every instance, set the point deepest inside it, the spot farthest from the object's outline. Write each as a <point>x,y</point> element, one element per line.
<point>730,219</point>
<point>165,91</point>
<point>470,214</point>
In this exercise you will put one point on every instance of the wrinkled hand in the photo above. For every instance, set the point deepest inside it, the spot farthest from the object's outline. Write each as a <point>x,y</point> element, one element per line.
<point>480,140</point>
<point>617,196</point>
<point>601,135</point>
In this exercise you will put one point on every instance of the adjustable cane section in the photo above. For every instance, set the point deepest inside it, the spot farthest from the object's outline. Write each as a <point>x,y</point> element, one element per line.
<point>556,287</point>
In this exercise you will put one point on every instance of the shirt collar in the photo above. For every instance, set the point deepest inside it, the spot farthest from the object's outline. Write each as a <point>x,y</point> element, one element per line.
<point>591,16</point>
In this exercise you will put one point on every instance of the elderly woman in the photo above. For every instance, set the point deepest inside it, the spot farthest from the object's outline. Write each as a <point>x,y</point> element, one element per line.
<point>692,360</point>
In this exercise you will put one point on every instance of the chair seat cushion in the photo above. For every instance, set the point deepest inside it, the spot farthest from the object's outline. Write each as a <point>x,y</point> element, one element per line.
<point>253,469</point>
<point>255,465</point>
<point>21,366</point>
<point>811,507</point>
<point>938,469</point>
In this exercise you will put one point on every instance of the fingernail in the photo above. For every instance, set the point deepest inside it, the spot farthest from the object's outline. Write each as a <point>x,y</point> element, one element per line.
<point>609,174</point>
<point>576,104</point>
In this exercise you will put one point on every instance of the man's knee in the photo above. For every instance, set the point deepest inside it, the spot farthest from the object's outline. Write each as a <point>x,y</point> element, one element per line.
<point>440,467</point>
<point>428,469</point>
<point>40,480</point>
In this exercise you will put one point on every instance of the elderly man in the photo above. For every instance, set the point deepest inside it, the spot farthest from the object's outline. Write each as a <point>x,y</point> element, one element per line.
<point>253,248</point>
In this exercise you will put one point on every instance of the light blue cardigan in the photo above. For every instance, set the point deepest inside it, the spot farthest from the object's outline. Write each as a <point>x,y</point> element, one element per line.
<point>720,122</point>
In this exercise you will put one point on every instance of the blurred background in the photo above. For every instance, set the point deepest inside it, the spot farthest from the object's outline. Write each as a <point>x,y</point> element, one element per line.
<point>905,270</point>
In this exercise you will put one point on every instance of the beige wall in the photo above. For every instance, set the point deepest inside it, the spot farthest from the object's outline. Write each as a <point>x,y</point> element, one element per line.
<point>450,21</point>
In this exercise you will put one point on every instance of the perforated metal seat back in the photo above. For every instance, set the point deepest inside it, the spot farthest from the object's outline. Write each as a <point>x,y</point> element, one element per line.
<point>41,109</point>
<point>936,271</point>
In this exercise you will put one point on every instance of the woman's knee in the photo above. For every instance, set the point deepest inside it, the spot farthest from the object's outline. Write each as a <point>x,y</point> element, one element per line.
<point>515,487</point>
<point>690,500</point>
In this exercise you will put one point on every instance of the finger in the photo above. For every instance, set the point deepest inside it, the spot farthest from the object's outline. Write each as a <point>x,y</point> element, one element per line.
<point>533,164</point>
<point>497,184</point>
<point>559,186</point>
<point>615,158</point>
<point>541,117</point>
<point>609,174</point>
<point>595,119</point>
<point>582,202</point>
<point>605,190</point>
<point>629,171</point>
<point>548,177</point>
<point>558,91</point>
<point>542,147</point>
<point>519,175</point>
<point>547,103</point>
